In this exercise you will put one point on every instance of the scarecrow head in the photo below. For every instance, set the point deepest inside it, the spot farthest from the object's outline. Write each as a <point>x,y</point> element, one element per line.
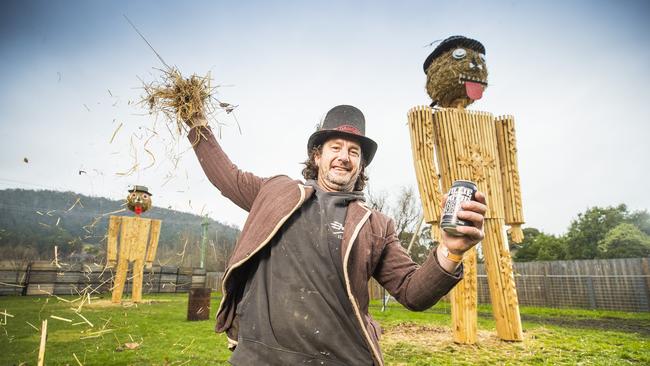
<point>139,199</point>
<point>456,72</point>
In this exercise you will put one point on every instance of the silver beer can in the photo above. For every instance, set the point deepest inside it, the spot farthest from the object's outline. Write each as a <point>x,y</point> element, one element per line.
<point>461,191</point>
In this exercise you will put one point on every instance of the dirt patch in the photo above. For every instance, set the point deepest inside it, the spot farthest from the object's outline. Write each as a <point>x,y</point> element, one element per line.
<point>427,336</point>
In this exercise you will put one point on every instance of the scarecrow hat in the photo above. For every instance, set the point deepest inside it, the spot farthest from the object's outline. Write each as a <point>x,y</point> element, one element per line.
<point>140,189</point>
<point>451,42</point>
<point>347,122</point>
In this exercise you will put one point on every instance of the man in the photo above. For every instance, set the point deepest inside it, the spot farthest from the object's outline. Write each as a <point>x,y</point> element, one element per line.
<point>295,291</point>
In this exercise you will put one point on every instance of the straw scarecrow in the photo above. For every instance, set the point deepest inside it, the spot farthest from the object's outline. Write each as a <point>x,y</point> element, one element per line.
<point>138,241</point>
<point>451,143</point>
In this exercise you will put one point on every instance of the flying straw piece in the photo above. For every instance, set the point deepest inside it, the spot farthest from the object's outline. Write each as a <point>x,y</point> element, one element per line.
<point>11,284</point>
<point>32,325</point>
<point>144,39</point>
<point>153,158</point>
<point>98,333</point>
<point>86,320</point>
<point>5,315</point>
<point>115,132</point>
<point>60,318</point>
<point>74,204</point>
<point>56,256</point>
<point>75,357</point>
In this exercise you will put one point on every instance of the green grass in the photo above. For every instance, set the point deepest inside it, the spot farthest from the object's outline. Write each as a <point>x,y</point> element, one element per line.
<point>552,336</point>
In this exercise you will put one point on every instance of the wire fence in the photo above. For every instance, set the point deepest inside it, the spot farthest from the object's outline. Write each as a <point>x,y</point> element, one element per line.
<point>607,284</point>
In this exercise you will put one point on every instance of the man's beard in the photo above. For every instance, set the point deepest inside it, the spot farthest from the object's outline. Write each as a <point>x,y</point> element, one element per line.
<point>341,182</point>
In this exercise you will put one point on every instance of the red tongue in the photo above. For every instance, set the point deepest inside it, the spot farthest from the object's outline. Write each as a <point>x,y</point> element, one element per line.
<point>474,90</point>
<point>138,210</point>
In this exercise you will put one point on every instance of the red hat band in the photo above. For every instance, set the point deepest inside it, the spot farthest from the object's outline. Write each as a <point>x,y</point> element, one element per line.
<point>348,129</point>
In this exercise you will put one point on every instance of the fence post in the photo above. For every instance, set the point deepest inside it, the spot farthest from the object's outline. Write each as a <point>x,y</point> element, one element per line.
<point>160,271</point>
<point>546,286</point>
<point>592,294</point>
<point>178,269</point>
<point>646,272</point>
<point>28,273</point>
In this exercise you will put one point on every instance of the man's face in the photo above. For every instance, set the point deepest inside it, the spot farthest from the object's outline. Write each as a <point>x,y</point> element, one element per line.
<point>338,165</point>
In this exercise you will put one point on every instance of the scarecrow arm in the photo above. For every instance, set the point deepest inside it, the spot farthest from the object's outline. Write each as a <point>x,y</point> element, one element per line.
<point>507,145</point>
<point>111,248</point>
<point>238,186</point>
<point>153,243</point>
<point>422,143</point>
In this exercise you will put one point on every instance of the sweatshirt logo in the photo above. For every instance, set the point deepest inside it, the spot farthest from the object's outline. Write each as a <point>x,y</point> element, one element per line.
<point>337,229</point>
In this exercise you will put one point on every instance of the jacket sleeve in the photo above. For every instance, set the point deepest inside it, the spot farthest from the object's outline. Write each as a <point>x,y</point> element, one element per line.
<point>238,186</point>
<point>416,287</point>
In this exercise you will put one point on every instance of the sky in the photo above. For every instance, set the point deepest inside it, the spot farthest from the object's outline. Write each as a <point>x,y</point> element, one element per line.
<point>572,73</point>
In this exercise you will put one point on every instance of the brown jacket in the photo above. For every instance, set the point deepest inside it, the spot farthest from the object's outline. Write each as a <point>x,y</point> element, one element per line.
<point>370,247</point>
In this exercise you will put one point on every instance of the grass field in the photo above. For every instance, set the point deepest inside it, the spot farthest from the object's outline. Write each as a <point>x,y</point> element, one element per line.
<point>163,337</point>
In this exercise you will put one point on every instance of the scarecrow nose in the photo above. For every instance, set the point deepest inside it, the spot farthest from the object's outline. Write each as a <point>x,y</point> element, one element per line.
<point>475,63</point>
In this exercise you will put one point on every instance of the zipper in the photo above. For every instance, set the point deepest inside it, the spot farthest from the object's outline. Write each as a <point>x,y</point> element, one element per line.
<point>262,245</point>
<point>355,307</point>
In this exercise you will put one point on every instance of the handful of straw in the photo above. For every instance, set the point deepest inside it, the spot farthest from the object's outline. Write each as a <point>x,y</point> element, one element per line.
<point>185,101</point>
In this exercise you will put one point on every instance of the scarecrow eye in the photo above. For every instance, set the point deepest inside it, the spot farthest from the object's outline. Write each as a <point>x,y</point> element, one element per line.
<point>145,196</point>
<point>459,53</point>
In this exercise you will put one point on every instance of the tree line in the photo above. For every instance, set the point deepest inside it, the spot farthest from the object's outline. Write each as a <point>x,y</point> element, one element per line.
<point>597,233</point>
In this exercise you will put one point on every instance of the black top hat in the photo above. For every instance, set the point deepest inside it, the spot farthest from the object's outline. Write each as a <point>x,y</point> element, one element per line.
<point>348,122</point>
<point>140,189</point>
<point>451,42</point>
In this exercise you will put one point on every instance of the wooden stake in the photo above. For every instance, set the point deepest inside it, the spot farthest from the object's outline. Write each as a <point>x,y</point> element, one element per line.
<point>41,349</point>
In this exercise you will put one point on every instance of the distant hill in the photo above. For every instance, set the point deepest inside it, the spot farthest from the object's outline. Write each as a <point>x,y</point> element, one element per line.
<point>33,222</point>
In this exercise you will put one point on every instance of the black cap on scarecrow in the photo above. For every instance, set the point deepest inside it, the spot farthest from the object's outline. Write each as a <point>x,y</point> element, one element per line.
<point>456,72</point>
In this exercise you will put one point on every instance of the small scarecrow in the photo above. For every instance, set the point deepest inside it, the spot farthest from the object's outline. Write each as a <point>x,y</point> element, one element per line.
<point>451,143</point>
<point>138,241</point>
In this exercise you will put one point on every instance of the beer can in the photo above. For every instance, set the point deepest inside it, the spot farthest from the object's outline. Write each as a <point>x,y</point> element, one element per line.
<point>461,191</point>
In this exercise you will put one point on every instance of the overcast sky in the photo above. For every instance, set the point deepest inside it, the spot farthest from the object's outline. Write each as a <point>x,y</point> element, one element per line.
<point>573,73</point>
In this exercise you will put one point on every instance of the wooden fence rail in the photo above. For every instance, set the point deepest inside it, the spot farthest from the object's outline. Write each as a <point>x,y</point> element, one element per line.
<point>46,278</point>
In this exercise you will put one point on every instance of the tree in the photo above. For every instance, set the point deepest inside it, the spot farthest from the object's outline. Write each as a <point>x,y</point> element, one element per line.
<point>524,251</point>
<point>538,246</point>
<point>640,219</point>
<point>625,241</point>
<point>590,228</point>
<point>406,211</point>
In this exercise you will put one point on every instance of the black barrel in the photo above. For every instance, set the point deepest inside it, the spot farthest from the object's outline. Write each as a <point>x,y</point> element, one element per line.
<point>198,306</point>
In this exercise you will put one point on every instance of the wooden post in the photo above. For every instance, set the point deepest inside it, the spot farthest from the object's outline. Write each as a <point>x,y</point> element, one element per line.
<point>646,272</point>
<point>41,349</point>
<point>28,274</point>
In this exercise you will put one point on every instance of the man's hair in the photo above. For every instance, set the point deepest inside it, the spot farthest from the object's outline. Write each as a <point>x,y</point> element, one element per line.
<point>310,171</point>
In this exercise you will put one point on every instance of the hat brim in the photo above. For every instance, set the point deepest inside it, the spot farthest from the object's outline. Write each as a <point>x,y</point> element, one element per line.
<point>368,146</point>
